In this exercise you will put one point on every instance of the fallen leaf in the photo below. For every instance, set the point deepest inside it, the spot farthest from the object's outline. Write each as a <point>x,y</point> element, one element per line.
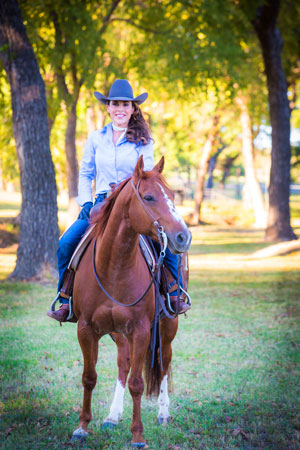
<point>244,435</point>
<point>188,391</point>
<point>228,419</point>
<point>191,372</point>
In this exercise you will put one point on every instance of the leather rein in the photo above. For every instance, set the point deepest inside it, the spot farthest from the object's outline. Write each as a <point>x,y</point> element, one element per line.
<point>163,240</point>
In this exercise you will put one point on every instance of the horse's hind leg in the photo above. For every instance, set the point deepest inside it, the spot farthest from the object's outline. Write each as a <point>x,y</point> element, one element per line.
<point>116,409</point>
<point>168,332</point>
<point>89,346</point>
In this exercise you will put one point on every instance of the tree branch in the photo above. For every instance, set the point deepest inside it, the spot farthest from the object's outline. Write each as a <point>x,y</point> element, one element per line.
<point>106,19</point>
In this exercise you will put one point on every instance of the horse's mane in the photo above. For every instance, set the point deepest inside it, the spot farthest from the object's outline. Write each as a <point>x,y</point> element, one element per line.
<point>101,217</point>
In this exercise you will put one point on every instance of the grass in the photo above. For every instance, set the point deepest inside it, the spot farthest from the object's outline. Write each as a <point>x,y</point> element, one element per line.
<point>236,360</point>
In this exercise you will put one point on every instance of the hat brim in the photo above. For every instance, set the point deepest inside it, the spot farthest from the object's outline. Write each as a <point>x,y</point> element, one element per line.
<point>139,99</point>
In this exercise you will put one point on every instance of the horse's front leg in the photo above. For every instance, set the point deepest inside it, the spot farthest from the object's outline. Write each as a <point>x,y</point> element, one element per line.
<point>116,409</point>
<point>168,332</point>
<point>89,345</point>
<point>139,343</point>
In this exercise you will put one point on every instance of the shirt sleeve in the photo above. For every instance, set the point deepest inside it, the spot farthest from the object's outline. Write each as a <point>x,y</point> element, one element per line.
<point>148,155</point>
<point>87,173</point>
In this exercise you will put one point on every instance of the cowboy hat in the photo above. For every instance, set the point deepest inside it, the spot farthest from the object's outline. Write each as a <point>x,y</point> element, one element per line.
<point>121,90</point>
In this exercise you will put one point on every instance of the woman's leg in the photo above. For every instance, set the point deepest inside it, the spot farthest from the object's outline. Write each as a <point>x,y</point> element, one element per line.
<point>170,261</point>
<point>67,245</point>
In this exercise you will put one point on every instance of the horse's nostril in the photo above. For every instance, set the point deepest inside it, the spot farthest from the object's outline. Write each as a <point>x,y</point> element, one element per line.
<point>180,238</point>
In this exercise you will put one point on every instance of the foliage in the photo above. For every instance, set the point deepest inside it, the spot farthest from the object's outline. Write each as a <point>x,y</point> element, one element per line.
<point>186,54</point>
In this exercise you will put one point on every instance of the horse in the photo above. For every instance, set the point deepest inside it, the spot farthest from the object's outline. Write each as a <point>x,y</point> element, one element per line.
<point>114,294</point>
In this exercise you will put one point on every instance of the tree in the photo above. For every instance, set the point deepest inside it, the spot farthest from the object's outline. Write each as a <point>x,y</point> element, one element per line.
<point>265,25</point>
<point>251,182</point>
<point>203,41</point>
<point>73,48</point>
<point>38,229</point>
<point>203,168</point>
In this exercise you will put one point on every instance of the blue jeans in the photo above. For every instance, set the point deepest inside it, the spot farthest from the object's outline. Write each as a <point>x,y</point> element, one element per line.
<point>66,247</point>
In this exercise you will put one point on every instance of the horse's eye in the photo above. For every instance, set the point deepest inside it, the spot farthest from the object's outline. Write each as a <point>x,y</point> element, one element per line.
<point>148,198</point>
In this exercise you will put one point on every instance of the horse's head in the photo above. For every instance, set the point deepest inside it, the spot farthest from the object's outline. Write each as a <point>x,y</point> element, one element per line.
<point>154,202</point>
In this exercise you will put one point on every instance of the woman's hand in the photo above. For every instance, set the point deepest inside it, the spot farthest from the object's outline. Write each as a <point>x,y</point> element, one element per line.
<point>85,212</point>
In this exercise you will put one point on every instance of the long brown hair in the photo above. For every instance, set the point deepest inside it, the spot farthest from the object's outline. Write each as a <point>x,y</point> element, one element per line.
<point>138,130</point>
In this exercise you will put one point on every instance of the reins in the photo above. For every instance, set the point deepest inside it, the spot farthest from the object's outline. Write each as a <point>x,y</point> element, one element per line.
<point>144,293</point>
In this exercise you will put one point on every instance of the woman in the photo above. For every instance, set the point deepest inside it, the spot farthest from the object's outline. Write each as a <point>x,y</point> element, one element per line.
<point>110,156</point>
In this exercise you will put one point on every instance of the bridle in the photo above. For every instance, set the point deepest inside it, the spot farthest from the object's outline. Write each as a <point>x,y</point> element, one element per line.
<point>162,237</point>
<point>163,240</point>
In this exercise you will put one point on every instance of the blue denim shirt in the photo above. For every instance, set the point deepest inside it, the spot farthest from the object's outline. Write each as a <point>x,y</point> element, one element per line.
<point>109,163</point>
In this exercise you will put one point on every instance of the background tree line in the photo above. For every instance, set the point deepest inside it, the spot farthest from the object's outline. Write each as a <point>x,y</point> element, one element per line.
<point>215,71</point>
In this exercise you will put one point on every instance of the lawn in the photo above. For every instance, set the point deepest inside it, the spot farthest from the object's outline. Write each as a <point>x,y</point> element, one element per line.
<point>236,360</point>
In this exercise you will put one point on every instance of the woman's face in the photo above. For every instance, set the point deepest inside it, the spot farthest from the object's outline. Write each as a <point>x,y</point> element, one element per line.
<point>120,112</point>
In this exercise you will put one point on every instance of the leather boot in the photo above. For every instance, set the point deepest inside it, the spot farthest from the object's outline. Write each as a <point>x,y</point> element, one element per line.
<point>182,307</point>
<point>61,314</point>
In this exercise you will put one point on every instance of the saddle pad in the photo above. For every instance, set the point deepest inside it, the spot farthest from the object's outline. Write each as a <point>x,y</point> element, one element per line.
<point>79,250</point>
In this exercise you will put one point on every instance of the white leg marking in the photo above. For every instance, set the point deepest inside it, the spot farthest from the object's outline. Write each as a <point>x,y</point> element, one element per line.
<point>116,409</point>
<point>163,402</point>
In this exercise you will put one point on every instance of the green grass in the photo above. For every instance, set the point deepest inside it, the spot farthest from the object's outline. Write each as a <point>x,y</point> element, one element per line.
<point>236,360</point>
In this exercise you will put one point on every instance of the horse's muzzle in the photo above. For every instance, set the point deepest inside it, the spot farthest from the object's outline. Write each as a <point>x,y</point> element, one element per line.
<point>179,242</point>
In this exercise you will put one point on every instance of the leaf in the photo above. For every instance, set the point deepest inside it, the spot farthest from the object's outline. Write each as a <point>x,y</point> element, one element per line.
<point>76,408</point>
<point>228,419</point>
<point>244,435</point>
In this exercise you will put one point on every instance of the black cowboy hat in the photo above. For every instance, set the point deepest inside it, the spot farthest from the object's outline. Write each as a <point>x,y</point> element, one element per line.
<point>121,90</point>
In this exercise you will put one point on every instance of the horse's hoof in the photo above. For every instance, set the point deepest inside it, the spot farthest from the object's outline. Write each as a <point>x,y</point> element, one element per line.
<point>108,425</point>
<point>139,445</point>
<point>161,420</point>
<point>77,438</point>
<point>79,435</point>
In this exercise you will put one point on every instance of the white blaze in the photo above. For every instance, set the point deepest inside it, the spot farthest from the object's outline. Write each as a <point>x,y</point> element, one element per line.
<point>172,208</point>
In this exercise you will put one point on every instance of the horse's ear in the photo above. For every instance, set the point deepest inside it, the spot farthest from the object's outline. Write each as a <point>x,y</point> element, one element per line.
<point>139,169</point>
<point>160,165</point>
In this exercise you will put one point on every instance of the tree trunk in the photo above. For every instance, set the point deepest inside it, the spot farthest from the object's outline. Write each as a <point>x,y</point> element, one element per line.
<point>72,164</point>
<point>38,229</point>
<point>202,171</point>
<point>251,183</point>
<point>278,226</point>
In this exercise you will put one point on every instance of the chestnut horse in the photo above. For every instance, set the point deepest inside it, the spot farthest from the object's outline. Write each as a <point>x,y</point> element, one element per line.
<point>113,275</point>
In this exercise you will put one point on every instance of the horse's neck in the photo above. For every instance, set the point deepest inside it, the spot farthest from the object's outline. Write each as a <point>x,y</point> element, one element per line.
<point>118,245</point>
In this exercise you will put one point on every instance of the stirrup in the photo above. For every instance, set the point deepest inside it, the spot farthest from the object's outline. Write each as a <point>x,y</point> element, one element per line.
<point>188,297</point>
<point>189,300</point>
<point>52,306</point>
<point>169,304</point>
